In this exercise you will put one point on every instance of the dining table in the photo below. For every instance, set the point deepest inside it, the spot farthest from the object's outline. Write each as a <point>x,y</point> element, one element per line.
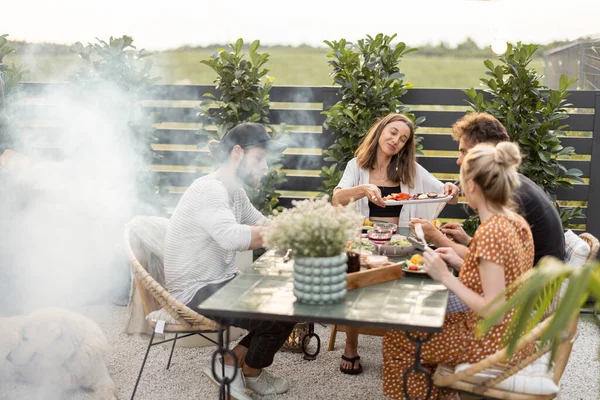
<point>414,303</point>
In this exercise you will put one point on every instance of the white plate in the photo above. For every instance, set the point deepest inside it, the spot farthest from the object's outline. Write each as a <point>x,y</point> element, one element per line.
<point>443,199</point>
<point>410,271</point>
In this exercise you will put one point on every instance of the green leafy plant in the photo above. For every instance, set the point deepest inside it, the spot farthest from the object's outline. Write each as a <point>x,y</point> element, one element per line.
<point>11,76</point>
<point>371,86</point>
<point>118,63</point>
<point>533,116</point>
<point>244,97</point>
<point>533,294</point>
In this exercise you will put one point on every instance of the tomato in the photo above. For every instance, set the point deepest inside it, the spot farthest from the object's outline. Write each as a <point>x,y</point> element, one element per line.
<point>413,267</point>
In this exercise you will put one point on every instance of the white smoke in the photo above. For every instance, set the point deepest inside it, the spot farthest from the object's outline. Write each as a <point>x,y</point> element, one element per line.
<point>63,215</point>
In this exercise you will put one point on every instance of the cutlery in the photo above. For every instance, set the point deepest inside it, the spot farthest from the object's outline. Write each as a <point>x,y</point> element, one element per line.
<point>286,257</point>
<point>420,234</point>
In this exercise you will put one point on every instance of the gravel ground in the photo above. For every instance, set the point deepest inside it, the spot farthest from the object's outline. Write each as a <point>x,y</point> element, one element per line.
<point>319,379</point>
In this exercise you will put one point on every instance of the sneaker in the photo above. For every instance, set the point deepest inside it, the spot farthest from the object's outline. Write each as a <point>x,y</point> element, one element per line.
<point>237,388</point>
<point>267,383</point>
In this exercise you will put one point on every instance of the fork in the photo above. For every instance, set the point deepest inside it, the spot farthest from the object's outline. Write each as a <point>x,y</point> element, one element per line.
<point>420,235</point>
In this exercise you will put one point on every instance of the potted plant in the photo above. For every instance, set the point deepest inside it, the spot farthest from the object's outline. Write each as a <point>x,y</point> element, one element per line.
<point>317,233</point>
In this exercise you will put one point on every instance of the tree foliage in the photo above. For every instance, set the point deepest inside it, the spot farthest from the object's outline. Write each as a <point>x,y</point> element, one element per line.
<point>371,86</point>
<point>244,97</point>
<point>534,117</point>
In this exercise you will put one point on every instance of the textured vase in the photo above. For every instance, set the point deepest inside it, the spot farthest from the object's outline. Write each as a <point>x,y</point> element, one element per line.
<point>320,280</point>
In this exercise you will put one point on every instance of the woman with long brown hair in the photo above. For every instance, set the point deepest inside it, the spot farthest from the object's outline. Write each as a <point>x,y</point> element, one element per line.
<point>384,163</point>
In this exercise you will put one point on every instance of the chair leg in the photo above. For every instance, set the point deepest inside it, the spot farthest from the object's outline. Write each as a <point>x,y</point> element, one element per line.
<point>143,363</point>
<point>172,348</point>
<point>332,337</point>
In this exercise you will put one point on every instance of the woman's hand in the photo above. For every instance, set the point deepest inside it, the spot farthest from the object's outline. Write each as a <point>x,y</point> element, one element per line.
<point>450,257</point>
<point>456,232</point>
<point>435,266</point>
<point>373,194</point>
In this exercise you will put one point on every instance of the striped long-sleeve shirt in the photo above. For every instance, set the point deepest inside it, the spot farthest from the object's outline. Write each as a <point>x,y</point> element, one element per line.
<point>207,228</point>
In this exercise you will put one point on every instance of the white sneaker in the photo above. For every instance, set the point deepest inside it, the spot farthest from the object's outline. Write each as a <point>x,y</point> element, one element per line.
<point>237,388</point>
<point>267,383</point>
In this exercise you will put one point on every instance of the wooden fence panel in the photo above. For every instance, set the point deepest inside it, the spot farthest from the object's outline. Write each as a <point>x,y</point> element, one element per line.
<point>181,141</point>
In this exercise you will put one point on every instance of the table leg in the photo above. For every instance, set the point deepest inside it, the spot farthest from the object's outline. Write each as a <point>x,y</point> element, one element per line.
<point>306,339</point>
<point>222,350</point>
<point>418,368</point>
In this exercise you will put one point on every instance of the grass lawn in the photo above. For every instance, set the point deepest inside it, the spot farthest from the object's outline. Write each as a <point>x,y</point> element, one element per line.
<point>289,66</point>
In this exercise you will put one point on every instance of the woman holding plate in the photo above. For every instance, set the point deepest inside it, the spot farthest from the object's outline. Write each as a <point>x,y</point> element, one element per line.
<point>385,163</point>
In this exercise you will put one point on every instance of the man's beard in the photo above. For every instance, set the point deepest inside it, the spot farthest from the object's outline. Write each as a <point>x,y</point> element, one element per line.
<point>246,175</point>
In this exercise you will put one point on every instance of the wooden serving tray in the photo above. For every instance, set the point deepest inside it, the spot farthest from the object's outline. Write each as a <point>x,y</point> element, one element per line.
<point>385,273</point>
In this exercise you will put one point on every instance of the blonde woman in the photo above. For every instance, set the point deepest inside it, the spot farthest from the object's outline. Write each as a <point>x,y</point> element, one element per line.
<point>385,162</point>
<point>501,251</point>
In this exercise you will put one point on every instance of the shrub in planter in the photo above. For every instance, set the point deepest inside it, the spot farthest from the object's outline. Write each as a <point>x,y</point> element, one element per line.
<point>118,65</point>
<point>533,116</point>
<point>244,97</point>
<point>371,86</point>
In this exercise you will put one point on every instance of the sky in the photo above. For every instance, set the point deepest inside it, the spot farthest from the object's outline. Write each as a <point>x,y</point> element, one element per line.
<point>160,25</point>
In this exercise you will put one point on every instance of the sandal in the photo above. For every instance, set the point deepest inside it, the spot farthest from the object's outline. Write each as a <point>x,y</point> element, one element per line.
<point>351,371</point>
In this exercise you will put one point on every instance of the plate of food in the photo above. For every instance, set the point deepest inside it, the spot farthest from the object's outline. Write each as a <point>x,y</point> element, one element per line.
<point>414,265</point>
<point>398,245</point>
<point>396,199</point>
<point>363,244</point>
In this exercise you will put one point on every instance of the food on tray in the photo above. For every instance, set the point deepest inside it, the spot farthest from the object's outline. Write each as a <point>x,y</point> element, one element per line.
<point>416,196</point>
<point>367,222</point>
<point>364,244</point>
<point>402,242</point>
<point>397,196</point>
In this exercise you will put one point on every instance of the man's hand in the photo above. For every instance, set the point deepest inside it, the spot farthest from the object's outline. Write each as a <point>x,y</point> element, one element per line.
<point>257,240</point>
<point>432,234</point>
<point>450,189</point>
<point>456,232</point>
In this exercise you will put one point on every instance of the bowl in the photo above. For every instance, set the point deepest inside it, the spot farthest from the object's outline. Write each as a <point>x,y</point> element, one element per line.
<point>378,237</point>
<point>381,226</point>
<point>374,261</point>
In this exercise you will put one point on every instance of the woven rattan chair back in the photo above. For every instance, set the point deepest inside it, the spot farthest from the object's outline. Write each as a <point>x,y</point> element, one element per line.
<point>185,316</point>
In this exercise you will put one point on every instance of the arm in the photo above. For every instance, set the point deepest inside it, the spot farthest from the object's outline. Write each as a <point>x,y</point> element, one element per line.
<point>492,281</point>
<point>491,275</point>
<point>348,188</point>
<point>250,215</point>
<point>218,220</point>
<point>435,236</point>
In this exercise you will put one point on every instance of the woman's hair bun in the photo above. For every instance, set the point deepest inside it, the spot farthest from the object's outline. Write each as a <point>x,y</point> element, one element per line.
<point>507,154</point>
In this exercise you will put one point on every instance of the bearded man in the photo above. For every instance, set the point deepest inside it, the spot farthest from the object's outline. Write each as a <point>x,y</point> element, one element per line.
<point>212,222</point>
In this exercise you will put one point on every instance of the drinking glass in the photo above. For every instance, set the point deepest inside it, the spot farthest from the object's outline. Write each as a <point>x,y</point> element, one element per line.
<point>380,236</point>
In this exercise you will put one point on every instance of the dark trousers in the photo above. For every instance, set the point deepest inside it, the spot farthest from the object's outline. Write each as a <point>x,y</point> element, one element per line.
<point>264,338</point>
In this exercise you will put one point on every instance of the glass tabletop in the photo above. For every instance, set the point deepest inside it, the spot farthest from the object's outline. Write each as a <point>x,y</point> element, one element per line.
<point>265,291</point>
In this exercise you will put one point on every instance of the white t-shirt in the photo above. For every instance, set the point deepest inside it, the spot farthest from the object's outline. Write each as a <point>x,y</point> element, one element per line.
<point>208,227</point>
<point>424,182</point>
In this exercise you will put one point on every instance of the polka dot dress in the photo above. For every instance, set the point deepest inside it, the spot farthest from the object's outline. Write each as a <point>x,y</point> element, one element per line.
<point>501,240</point>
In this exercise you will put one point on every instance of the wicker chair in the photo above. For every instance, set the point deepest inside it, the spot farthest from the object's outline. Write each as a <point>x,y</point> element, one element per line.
<point>179,319</point>
<point>496,368</point>
<point>495,365</point>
